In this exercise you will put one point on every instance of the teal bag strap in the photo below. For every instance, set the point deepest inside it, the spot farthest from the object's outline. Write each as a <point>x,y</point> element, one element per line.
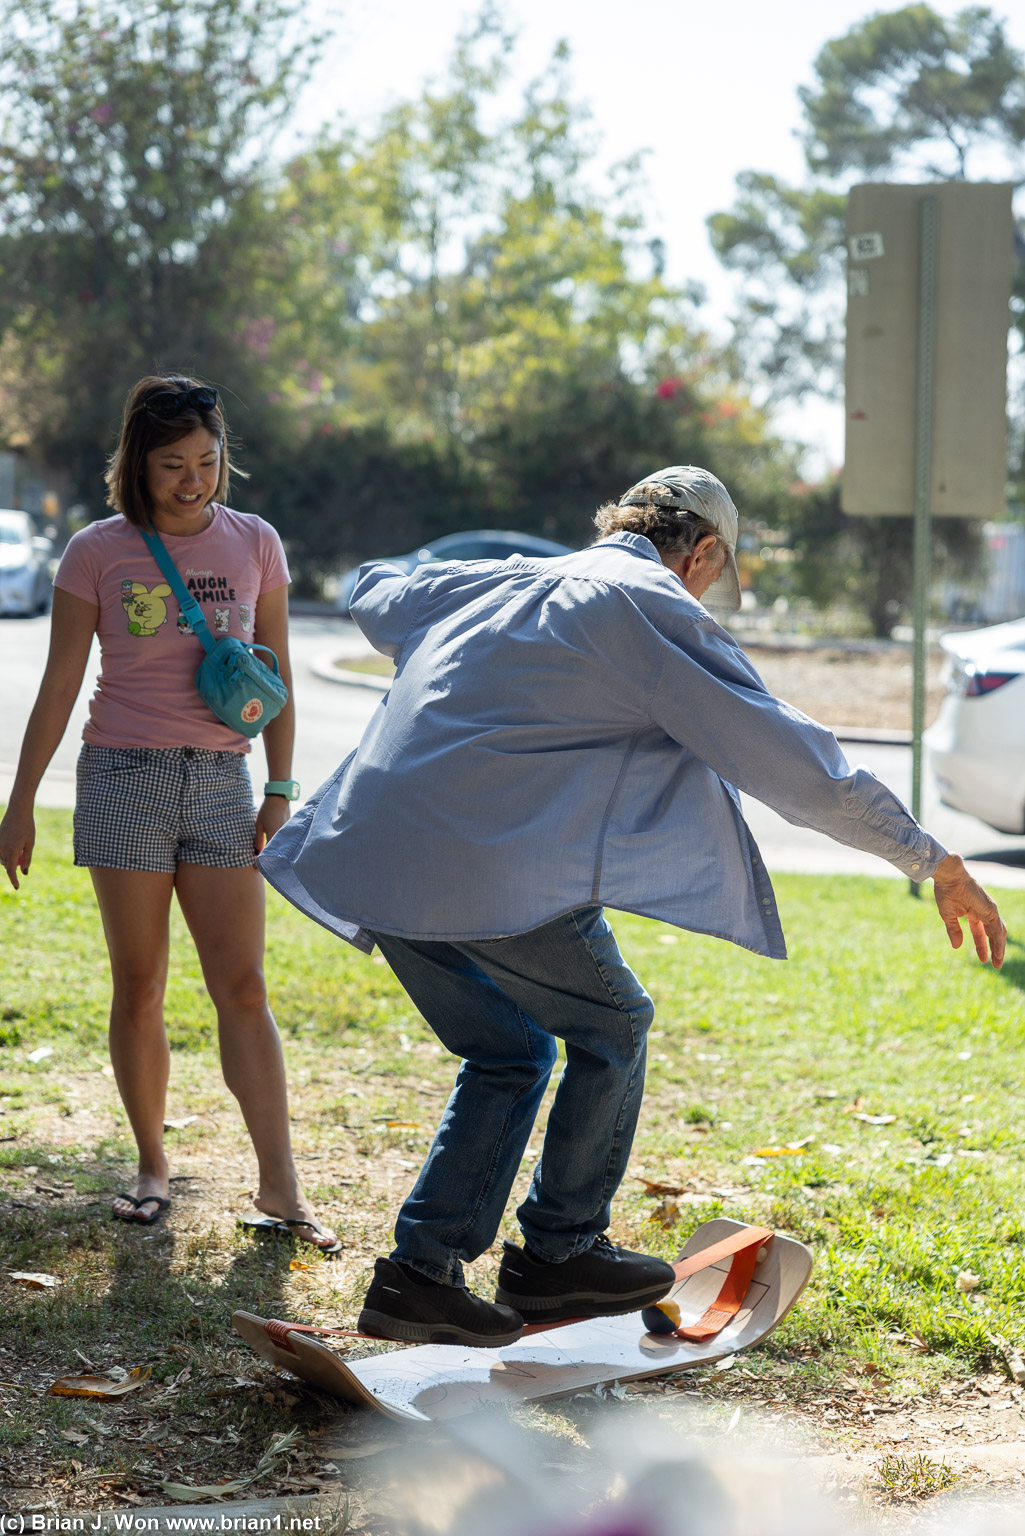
<point>186,602</point>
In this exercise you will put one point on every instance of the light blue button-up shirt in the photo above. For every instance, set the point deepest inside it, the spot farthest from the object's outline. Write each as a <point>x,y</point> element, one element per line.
<point>561,733</point>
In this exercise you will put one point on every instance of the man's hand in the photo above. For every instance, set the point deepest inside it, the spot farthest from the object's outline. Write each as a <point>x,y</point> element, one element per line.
<point>958,895</point>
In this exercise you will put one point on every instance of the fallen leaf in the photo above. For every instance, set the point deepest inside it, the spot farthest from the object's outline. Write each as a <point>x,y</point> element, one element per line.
<point>852,1109</point>
<point>731,1426</point>
<point>875,1119</point>
<point>652,1187</point>
<point>298,1264</point>
<point>34,1281</point>
<point>40,1053</point>
<point>402,1125</point>
<point>795,1150</point>
<point>108,1070</point>
<point>668,938</point>
<point>826,1093</point>
<point>830,1147</point>
<point>99,1386</point>
<point>966,1281</point>
<point>179,1125</point>
<point>186,1492</point>
<point>74,1436</point>
<point>666,1213</point>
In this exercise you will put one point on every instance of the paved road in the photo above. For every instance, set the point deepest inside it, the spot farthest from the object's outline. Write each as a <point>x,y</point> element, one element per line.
<point>331,718</point>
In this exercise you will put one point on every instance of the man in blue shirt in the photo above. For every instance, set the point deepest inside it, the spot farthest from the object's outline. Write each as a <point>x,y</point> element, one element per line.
<point>564,735</point>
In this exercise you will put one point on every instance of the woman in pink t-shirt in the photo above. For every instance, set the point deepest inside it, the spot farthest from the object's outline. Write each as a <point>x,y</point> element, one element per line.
<point>164,802</point>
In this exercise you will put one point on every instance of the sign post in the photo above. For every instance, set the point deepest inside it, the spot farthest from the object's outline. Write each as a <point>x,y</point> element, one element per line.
<point>929,282</point>
<point>924,386</point>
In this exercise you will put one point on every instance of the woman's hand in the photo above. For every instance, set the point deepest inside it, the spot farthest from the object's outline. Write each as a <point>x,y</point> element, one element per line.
<point>17,839</point>
<point>957,896</point>
<point>270,818</point>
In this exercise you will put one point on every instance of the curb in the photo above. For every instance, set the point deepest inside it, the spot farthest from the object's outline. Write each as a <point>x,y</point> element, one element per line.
<point>324,667</point>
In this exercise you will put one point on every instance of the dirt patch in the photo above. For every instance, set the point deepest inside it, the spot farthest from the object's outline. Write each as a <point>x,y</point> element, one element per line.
<point>847,687</point>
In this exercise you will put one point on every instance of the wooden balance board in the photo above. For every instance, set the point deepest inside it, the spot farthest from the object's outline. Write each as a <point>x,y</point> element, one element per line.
<point>425,1383</point>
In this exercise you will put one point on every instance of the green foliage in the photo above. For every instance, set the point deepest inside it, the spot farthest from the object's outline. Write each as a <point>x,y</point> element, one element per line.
<point>130,150</point>
<point>438,323</point>
<point>906,86</point>
<point>864,562</point>
<point>510,353</point>
<point>904,95</point>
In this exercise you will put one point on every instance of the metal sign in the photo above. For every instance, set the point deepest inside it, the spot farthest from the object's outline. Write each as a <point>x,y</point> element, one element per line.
<point>974,259</point>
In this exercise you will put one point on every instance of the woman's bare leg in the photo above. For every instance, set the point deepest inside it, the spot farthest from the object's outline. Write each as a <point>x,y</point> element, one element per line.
<point>224,909</point>
<point>134,905</point>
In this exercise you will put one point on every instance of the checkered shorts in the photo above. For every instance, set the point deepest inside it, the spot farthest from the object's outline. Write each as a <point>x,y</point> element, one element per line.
<point>153,808</point>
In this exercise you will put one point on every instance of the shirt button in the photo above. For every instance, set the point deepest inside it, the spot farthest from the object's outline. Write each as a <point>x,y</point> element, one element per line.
<point>766,901</point>
<point>190,751</point>
<point>916,866</point>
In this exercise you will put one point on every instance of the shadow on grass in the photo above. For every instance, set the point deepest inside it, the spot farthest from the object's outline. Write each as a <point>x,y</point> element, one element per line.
<point>1013,968</point>
<point>154,1298</point>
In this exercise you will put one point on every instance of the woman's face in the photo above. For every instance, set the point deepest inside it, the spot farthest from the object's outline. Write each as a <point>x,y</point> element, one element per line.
<point>181,480</point>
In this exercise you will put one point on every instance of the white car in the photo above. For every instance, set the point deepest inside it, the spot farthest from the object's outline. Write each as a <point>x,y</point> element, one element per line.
<point>977,745</point>
<point>25,582</point>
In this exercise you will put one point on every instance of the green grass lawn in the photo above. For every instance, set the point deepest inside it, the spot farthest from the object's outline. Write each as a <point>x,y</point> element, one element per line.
<point>873,1010</point>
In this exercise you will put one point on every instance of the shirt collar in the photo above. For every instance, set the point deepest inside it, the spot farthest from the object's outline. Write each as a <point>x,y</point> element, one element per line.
<point>634,541</point>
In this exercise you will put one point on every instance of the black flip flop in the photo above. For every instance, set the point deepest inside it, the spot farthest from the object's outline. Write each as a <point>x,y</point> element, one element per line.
<point>142,1221</point>
<point>281,1226</point>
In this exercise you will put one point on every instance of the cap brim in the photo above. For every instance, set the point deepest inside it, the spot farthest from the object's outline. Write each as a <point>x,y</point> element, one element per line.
<point>723,596</point>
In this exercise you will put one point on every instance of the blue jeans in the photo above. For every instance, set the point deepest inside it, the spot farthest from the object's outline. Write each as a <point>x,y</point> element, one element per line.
<point>501,1004</point>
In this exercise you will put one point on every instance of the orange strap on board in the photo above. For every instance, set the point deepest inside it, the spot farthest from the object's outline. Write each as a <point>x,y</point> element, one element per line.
<point>744,1247</point>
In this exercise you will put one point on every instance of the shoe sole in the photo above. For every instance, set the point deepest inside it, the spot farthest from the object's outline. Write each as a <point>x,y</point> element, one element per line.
<point>406,1332</point>
<point>550,1309</point>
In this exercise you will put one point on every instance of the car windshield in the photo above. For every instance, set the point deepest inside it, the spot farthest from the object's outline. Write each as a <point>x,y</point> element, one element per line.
<point>9,535</point>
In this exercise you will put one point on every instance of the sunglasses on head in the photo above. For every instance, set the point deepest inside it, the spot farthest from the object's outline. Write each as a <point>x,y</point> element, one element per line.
<point>168,403</point>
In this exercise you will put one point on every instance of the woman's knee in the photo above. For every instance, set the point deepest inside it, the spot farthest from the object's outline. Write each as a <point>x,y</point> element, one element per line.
<point>138,996</point>
<point>243,992</point>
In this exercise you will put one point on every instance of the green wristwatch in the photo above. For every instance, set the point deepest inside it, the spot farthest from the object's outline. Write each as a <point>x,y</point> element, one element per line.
<point>287,787</point>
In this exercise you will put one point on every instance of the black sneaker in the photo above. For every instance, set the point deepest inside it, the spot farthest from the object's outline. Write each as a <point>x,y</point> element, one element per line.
<point>402,1304</point>
<point>604,1281</point>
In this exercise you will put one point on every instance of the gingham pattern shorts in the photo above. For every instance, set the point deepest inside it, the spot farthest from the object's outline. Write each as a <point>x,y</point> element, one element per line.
<point>156,807</point>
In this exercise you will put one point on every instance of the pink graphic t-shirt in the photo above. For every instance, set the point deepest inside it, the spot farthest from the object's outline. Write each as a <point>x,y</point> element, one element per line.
<point>146,691</point>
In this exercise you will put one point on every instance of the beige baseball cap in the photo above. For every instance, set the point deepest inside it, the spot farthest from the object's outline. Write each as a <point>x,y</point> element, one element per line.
<point>691,489</point>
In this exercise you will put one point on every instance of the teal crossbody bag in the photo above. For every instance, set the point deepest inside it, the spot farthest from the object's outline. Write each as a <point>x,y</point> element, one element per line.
<point>242,690</point>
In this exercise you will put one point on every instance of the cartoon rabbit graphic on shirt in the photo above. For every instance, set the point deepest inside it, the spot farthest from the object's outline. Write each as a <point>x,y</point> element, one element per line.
<point>146,610</point>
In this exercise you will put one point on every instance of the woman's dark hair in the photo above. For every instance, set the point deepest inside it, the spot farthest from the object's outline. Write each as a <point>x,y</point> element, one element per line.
<point>142,431</point>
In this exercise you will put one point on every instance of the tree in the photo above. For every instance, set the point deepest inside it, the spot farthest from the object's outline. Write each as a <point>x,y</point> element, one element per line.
<point>131,201</point>
<point>506,315</point>
<point>905,95</point>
